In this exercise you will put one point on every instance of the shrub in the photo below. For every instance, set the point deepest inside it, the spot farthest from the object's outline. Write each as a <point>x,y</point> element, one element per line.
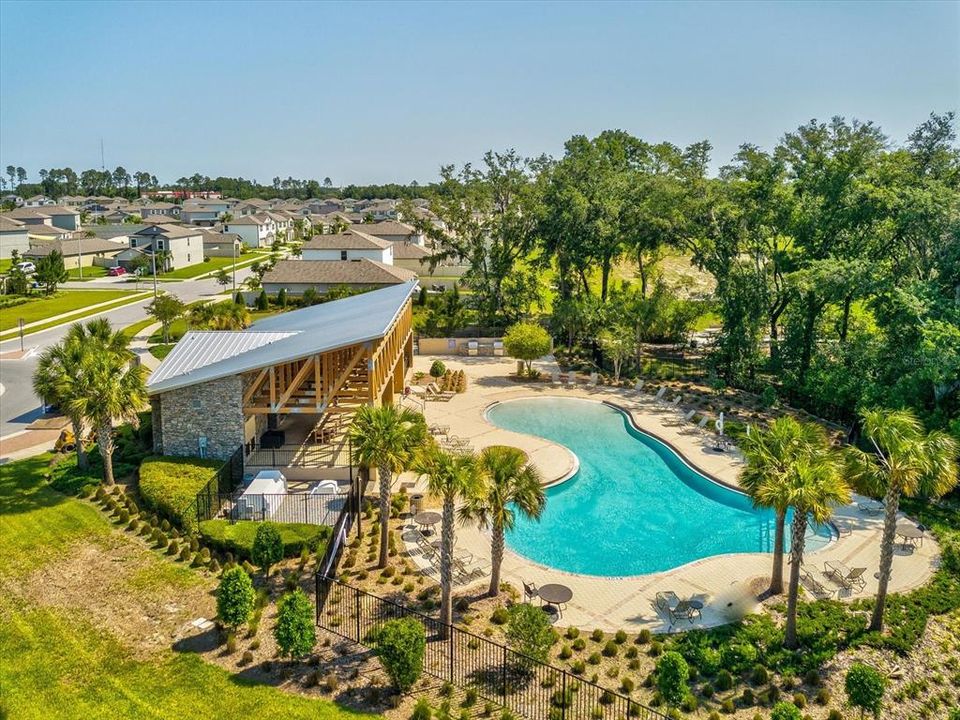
<point>247,658</point>
<point>295,631</point>
<point>627,685</point>
<point>643,637</point>
<point>707,690</point>
<point>231,642</point>
<point>672,674</point>
<point>238,538</point>
<point>437,369</point>
<point>267,546</point>
<point>728,707</point>
<point>400,645</point>
<point>785,711</point>
<point>689,704</point>
<point>235,597</point>
<point>572,633</point>
<point>579,644</point>
<point>656,648</point>
<point>835,714</point>
<point>620,637</point>
<point>594,659</point>
<point>610,649</point>
<point>579,667</point>
<point>759,676</point>
<point>800,700</point>
<point>565,653</point>
<point>499,616</point>
<point>865,688</point>
<point>471,697</point>
<point>738,657</point>
<point>597,635</point>
<point>747,698</point>
<point>169,485</point>
<point>823,696</point>
<point>185,553</point>
<point>724,680</point>
<point>421,711</point>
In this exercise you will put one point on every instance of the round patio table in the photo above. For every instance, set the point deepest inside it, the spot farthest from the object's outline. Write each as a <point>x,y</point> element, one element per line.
<point>911,534</point>
<point>426,520</point>
<point>555,595</point>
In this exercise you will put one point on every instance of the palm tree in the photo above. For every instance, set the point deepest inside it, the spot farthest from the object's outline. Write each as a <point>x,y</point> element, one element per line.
<point>453,477</point>
<point>387,438</point>
<point>812,486</point>
<point>513,485</point>
<point>113,386</point>
<point>58,378</point>
<point>906,461</point>
<point>770,454</point>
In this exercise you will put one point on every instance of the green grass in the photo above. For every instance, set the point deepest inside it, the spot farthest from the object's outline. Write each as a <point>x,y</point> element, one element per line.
<point>176,330</point>
<point>211,265</point>
<point>89,273</point>
<point>161,351</point>
<point>168,485</point>
<point>238,537</point>
<point>133,330</point>
<point>5,266</point>
<point>63,301</point>
<point>55,664</point>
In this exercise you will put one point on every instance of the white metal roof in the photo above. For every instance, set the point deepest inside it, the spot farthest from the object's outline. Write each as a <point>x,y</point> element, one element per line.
<point>209,355</point>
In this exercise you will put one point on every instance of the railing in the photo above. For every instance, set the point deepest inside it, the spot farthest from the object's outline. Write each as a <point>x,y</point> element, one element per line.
<point>527,687</point>
<point>227,477</point>
<point>300,507</point>
<point>307,455</point>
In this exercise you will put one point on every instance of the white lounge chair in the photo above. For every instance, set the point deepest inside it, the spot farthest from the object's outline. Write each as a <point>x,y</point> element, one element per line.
<point>660,393</point>
<point>638,388</point>
<point>699,427</point>
<point>556,377</point>
<point>686,418</point>
<point>593,380</point>
<point>571,379</point>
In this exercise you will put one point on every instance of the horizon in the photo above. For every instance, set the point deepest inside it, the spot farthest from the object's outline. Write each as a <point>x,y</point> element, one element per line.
<point>453,81</point>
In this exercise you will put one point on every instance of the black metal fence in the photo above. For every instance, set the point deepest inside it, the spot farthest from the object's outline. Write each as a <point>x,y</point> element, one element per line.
<point>299,507</point>
<point>305,455</point>
<point>526,687</point>
<point>227,477</point>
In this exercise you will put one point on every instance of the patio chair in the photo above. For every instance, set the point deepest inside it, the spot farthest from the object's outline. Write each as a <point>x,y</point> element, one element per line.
<point>666,601</point>
<point>871,507</point>
<point>847,578</point>
<point>686,418</point>
<point>812,582</point>
<point>684,611</point>
<point>530,591</point>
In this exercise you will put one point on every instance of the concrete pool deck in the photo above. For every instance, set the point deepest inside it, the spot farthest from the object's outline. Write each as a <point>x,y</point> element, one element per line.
<point>725,584</point>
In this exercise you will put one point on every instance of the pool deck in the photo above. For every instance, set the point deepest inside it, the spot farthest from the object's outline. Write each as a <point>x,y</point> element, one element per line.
<point>722,583</point>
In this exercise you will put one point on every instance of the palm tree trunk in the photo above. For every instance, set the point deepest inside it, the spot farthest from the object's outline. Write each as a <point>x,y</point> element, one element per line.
<point>384,472</point>
<point>796,558</point>
<point>892,505</point>
<point>496,559</point>
<point>77,423</point>
<point>776,578</point>
<point>446,566</point>
<point>105,443</point>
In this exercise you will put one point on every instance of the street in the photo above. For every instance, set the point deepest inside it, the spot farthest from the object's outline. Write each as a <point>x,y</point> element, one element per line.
<point>19,406</point>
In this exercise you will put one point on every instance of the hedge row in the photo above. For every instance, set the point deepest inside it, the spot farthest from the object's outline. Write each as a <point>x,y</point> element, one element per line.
<point>169,485</point>
<point>237,538</point>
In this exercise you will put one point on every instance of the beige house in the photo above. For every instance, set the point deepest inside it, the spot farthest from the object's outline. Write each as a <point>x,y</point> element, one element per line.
<point>79,252</point>
<point>13,236</point>
<point>295,276</point>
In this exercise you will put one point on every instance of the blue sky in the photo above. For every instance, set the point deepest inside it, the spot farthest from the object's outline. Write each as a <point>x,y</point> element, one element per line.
<point>378,92</point>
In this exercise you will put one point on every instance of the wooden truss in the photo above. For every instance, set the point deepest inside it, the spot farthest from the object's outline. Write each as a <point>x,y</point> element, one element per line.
<point>339,380</point>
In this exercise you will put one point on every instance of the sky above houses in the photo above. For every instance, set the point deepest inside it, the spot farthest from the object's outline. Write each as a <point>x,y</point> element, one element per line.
<point>384,92</point>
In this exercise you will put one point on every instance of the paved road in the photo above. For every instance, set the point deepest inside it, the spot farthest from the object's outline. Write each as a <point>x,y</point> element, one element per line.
<point>18,404</point>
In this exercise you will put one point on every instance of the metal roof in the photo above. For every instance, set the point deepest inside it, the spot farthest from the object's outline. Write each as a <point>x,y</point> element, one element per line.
<point>209,355</point>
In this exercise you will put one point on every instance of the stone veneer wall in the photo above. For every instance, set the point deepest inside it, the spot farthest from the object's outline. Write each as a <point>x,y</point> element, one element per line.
<point>212,409</point>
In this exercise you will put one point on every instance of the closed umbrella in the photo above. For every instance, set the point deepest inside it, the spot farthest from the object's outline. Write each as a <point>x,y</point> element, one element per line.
<point>720,424</point>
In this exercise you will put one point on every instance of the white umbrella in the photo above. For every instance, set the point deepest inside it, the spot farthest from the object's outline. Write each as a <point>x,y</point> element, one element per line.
<point>720,424</point>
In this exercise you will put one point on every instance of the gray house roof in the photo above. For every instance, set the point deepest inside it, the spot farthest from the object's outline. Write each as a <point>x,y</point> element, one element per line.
<point>352,239</point>
<point>336,272</point>
<point>203,356</point>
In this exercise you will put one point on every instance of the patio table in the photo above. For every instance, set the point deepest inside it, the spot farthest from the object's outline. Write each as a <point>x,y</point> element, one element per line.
<point>911,534</point>
<point>426,520</point>
<point>555,595</point>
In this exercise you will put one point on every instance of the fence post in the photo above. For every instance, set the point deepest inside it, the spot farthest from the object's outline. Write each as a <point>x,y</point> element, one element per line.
<point>453,632</point>
<point>503,674</point>
<point>563,697</point>
<point>356,595</point>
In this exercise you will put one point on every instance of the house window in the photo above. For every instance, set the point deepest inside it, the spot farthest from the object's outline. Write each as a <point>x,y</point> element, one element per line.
<point>343,254</point>
<point>160,245</point>
<point>188,257</point>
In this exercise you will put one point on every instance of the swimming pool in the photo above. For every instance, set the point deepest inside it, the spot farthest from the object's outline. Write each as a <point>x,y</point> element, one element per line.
<point>634,506</point>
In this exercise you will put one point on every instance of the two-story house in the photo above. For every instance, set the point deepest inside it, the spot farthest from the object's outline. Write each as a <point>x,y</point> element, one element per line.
<point>181,246</point>
<point>349,245</point>
<point>258,230</point>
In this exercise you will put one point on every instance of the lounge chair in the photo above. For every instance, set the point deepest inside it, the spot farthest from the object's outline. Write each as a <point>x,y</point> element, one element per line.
<point>638,388</point>
<point>435,393</point>
<point>571,379</point>
<point>686,418</point>
<point>593,380</point>
<point>556,378</point>
<point>675,403</point>
<point>871,507</point>
<point>847,578</point>
<point>699,427</point>
<point>812,582</point>
<point>660,393</point>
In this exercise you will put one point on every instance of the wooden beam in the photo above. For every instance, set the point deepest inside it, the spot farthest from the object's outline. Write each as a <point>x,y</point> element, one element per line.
<point>341,378</point>
<point>295,382</point>
<point>251,391</point>
<point>273,387</point>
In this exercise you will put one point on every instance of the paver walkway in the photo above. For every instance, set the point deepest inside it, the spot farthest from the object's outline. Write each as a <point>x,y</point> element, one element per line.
<point>723,583</point>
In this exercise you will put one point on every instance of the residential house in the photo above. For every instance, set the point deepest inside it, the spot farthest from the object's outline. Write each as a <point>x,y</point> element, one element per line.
<point>295,276</point>
<point>79,252</point>
<point>183,246</point>
<point>393,231</point>
<point>13,236</point>
<point>47,233</point>
<point>203,212</point>
<point>218,244</point>
<point>38,201</point>
<point>150,210</point>
<point>349,245</point>
<point>12,199</point>
<point>256,230</point>
<point>412,257</point>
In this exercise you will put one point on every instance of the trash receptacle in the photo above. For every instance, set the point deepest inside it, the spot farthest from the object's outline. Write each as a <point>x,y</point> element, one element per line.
<point>416,503</point>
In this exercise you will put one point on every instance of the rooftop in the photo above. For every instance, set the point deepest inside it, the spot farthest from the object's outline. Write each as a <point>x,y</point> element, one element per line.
<point>352,239</point>
<point>337,272</point>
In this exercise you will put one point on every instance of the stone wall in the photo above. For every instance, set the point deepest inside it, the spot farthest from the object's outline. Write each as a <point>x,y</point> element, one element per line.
<point>212,410</point>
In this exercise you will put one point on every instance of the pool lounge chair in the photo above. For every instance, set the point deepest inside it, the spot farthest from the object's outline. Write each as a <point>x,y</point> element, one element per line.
<point>638,388</point>
<point>847,578</point>
<point>871,507</point>
<point>593,380</point>
<point>698,428</point>
<point>556,377</point>
<point>660,393</point>
<point>571,379</point>
<point>673,404</point>
<point>682,421</point>
<point>812,583</point>
<point>435,393</point>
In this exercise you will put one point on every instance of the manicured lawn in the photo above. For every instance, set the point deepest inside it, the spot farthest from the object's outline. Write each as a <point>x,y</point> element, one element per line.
<point>5,265</point>
<point>210,265</point>
<point>55,663</point>
<point>161,351</point>
<point>238,537</point>
<point>177,329</point>
<point>133,330</point>
<point>169,484</point>
<point>89,273</point>
<point>64,301</point>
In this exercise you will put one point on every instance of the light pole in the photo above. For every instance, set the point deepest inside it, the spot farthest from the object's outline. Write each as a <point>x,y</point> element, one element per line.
<point>153,260</point>
<point>234,243</point>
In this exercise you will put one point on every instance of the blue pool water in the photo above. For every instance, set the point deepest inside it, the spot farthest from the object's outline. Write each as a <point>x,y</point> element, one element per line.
<point>634,506</point>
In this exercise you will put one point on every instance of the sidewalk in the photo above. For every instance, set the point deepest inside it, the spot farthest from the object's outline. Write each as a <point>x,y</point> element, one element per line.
<point>54,320</point>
